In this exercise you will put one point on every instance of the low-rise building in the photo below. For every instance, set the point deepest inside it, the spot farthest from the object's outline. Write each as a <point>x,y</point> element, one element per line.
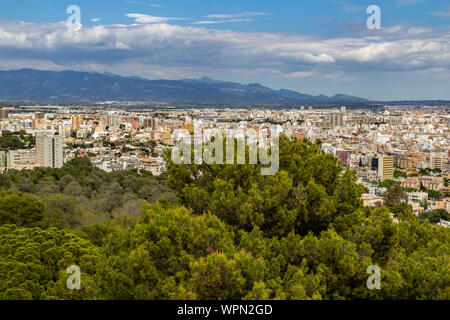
<point>151,165</point>
<point>417,197</point>
<point>371,200</point>
<point>22,159</point>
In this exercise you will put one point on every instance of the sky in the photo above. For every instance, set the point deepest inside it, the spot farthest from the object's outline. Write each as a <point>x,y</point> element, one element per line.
<point>311,46</point>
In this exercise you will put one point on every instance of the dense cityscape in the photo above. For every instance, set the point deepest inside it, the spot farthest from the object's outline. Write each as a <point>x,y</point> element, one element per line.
<point>396,145</point>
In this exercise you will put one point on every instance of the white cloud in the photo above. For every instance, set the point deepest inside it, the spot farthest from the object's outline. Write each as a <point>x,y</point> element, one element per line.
<point>95,19</point>
<point>340,77</point>
<point>235,15</point>
<point>186,50</point>
<point>299,74</point>
<point>144,3</point>
<point>145,18</point>
<point>229,18</point>
<point>221,21</point>
<point>419,30</point>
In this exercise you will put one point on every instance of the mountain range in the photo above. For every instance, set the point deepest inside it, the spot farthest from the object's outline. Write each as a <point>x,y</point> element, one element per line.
<point>75,86</point>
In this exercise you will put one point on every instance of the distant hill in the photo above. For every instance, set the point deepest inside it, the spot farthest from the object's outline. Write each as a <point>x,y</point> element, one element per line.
<point>68,86</point>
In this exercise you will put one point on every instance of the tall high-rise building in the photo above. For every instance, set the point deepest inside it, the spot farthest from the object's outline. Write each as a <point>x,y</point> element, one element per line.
<point>150,123</point>
<point>336,119</point>
<point>386,167</point>
<point>438,162</point>
<point>111,120</point>
<point>77,121</point>
<point>4,114</point>
<point>49,150</point>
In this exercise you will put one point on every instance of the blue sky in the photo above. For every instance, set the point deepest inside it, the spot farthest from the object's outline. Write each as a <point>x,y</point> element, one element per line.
<point>315,47</point>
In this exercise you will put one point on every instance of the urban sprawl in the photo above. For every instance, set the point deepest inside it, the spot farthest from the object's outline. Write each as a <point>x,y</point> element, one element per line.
<point>407,146</point>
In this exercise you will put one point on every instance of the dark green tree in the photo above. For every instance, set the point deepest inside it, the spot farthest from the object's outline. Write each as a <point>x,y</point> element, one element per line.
<point>20,209</point>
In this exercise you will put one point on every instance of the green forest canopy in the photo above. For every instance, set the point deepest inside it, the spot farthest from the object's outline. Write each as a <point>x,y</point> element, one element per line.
<point>213,232</point>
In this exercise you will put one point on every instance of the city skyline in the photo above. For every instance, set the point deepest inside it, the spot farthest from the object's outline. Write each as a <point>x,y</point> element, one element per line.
<point>316,48</point>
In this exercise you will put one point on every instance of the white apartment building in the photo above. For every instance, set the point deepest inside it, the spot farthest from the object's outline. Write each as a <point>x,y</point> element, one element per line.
<point>49,150</point>
<point>417,197</point>
<point>22,159</point>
